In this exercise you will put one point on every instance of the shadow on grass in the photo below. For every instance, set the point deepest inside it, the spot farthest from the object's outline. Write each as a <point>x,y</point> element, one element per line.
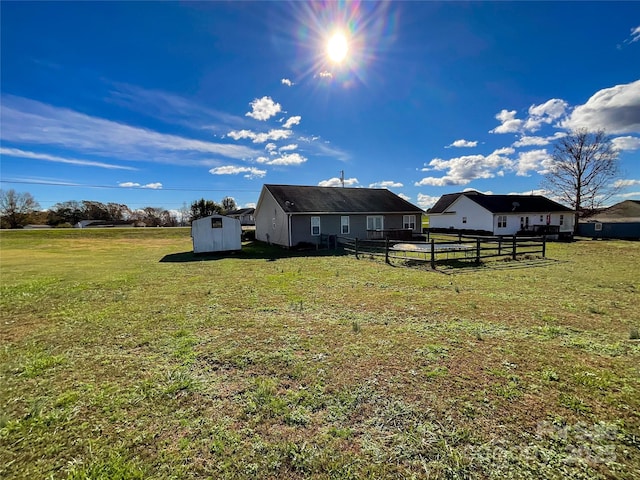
<point>507,264</point>
<point>251,250</point>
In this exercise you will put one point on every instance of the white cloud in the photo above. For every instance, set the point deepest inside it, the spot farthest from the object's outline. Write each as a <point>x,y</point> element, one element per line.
<point>386,184</point>
<point>504,151</point>
<point>629,195</point>
<point>509,122</point>
<point>528,141</point>
<point>626,143</point>
<point>325,74</point>
<point>288,148</point>
<point>250,205</point>
<point>17,153</point>
<point>32,122</point>
<point>152,186</point>
<point>270,147</point>
<point>276,134</point>
<point>463,143</point>
<point>635,35</point>
<point>533,160</point>
<point>283,159</point>
<point>545,113</point>
<point>263,108</point>
<point>404,197</point>
<point>462,170</point>
<point>615,109</point>
<point>626,183</point>
<point>295,120</point>
<point>251,172</point>
<point>336,182</point>
<point>426,201</point>
<point>287,82</point>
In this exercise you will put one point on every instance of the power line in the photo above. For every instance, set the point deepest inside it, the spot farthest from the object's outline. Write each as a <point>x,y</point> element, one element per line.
<point>173,189</point>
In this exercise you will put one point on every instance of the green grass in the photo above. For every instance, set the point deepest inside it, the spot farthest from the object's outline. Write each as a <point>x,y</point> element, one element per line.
<point>122,355</point>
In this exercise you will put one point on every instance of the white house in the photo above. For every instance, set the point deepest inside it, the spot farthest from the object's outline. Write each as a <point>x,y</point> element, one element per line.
<point>216,233</point>
<point>500,214</point>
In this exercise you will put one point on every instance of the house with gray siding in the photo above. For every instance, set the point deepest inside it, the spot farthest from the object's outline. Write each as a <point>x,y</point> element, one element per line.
<point>292,215</point>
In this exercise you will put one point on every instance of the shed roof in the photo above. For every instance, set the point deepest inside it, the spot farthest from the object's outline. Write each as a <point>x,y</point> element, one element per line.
<point>502,203</point>
<point>309,199</point>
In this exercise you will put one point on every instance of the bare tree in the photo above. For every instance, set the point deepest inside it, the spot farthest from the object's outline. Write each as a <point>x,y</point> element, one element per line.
<point>228,204</point>
<point>15,208</point>
<point>584,165</point>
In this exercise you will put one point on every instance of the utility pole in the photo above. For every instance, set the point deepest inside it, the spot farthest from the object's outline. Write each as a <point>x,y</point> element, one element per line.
<point>342,178</point>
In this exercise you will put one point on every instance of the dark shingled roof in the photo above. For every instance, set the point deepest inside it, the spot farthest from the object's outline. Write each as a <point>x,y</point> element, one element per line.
<point>242,211</point>
<point>304,199</point>
<point>502,203</point>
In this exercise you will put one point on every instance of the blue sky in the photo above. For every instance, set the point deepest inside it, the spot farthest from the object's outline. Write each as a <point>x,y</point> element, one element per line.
<point>159,104</point>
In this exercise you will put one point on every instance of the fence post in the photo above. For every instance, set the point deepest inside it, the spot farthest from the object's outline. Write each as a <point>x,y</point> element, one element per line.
<point>544,246</point>
<point>477,250</point>
<point>499,246</point>
<point>459,238</point>
<point>386,249</point>
<point>433,254</point>
<point>514,252</point>
<point>356,247</point>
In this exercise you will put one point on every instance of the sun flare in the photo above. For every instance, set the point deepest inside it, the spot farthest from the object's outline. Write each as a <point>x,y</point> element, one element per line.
<point>337,47</point>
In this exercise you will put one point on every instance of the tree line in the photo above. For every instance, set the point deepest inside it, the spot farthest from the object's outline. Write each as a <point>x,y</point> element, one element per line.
<point>20,209</point>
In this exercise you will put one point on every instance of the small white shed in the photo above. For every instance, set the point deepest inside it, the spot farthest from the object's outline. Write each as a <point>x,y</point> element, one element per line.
<point>216,233</point>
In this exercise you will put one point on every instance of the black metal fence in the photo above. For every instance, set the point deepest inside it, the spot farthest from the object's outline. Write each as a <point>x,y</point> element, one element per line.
<point>447,249</point>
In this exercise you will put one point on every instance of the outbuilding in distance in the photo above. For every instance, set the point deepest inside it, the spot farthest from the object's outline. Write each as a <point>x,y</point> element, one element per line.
<point>216,233</point>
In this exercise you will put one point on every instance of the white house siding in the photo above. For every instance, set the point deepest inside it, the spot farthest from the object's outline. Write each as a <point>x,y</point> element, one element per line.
<point>208,239</point>
<point>266,212</point>
<point>514,221</point>
<point>478,218</point>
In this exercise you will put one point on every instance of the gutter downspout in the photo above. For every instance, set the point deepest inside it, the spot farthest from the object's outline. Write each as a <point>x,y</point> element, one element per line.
<point>289,221</point>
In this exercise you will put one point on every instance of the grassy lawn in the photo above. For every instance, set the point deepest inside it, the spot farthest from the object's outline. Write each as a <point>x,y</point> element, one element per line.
<point>123,356</point>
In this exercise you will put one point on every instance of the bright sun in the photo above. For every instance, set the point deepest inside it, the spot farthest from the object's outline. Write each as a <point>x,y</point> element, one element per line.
<point>337,47</point>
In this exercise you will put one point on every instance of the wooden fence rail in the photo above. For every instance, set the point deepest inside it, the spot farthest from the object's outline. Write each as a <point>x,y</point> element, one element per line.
<point>465,248</point>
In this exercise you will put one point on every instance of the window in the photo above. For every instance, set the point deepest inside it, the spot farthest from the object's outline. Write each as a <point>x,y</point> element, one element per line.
<point>561,219</point>
<point>409,222</point>
<point>464,219</point>
<point>541,218</point>
<point>502,221</point>
<point>315,226</point>
<point>216,222</point>
<point>344,225</point>
<point>375,222</point>
<point>597,227</point>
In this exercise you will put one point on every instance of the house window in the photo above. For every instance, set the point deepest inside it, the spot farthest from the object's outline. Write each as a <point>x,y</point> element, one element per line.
<point>541,218</point>
<point>502,221</point>
<point>464,219</point>
<point>375,222</point>
<point>344,225</point>
<point>409,222</point>
<point>315,226</point>
<point>561,219</point>
<point>597,227</point>
<point>216,222</point>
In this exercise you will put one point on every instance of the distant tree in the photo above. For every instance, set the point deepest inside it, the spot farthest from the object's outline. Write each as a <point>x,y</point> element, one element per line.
<point>583,167</point>
<point>70,212</point>
<point>15,208</point>
<point>118,212</point>
<point>184,215</point>
<point>228,204</point>
<point>95,210</point>
<point>204,208</point>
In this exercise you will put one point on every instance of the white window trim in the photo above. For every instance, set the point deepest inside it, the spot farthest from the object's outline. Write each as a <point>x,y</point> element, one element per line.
<point>315,220</point>
<point>344,222</point>
<point>373,219</point>
<point>409,220</point>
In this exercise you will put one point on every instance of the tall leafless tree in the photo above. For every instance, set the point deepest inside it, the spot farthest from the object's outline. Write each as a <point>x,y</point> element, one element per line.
<point>581,173</point>
<point>15,208</point>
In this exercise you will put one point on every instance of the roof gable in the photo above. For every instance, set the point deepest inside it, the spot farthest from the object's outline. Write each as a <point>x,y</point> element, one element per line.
<point>308,199</point>
<point>502,203</point>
